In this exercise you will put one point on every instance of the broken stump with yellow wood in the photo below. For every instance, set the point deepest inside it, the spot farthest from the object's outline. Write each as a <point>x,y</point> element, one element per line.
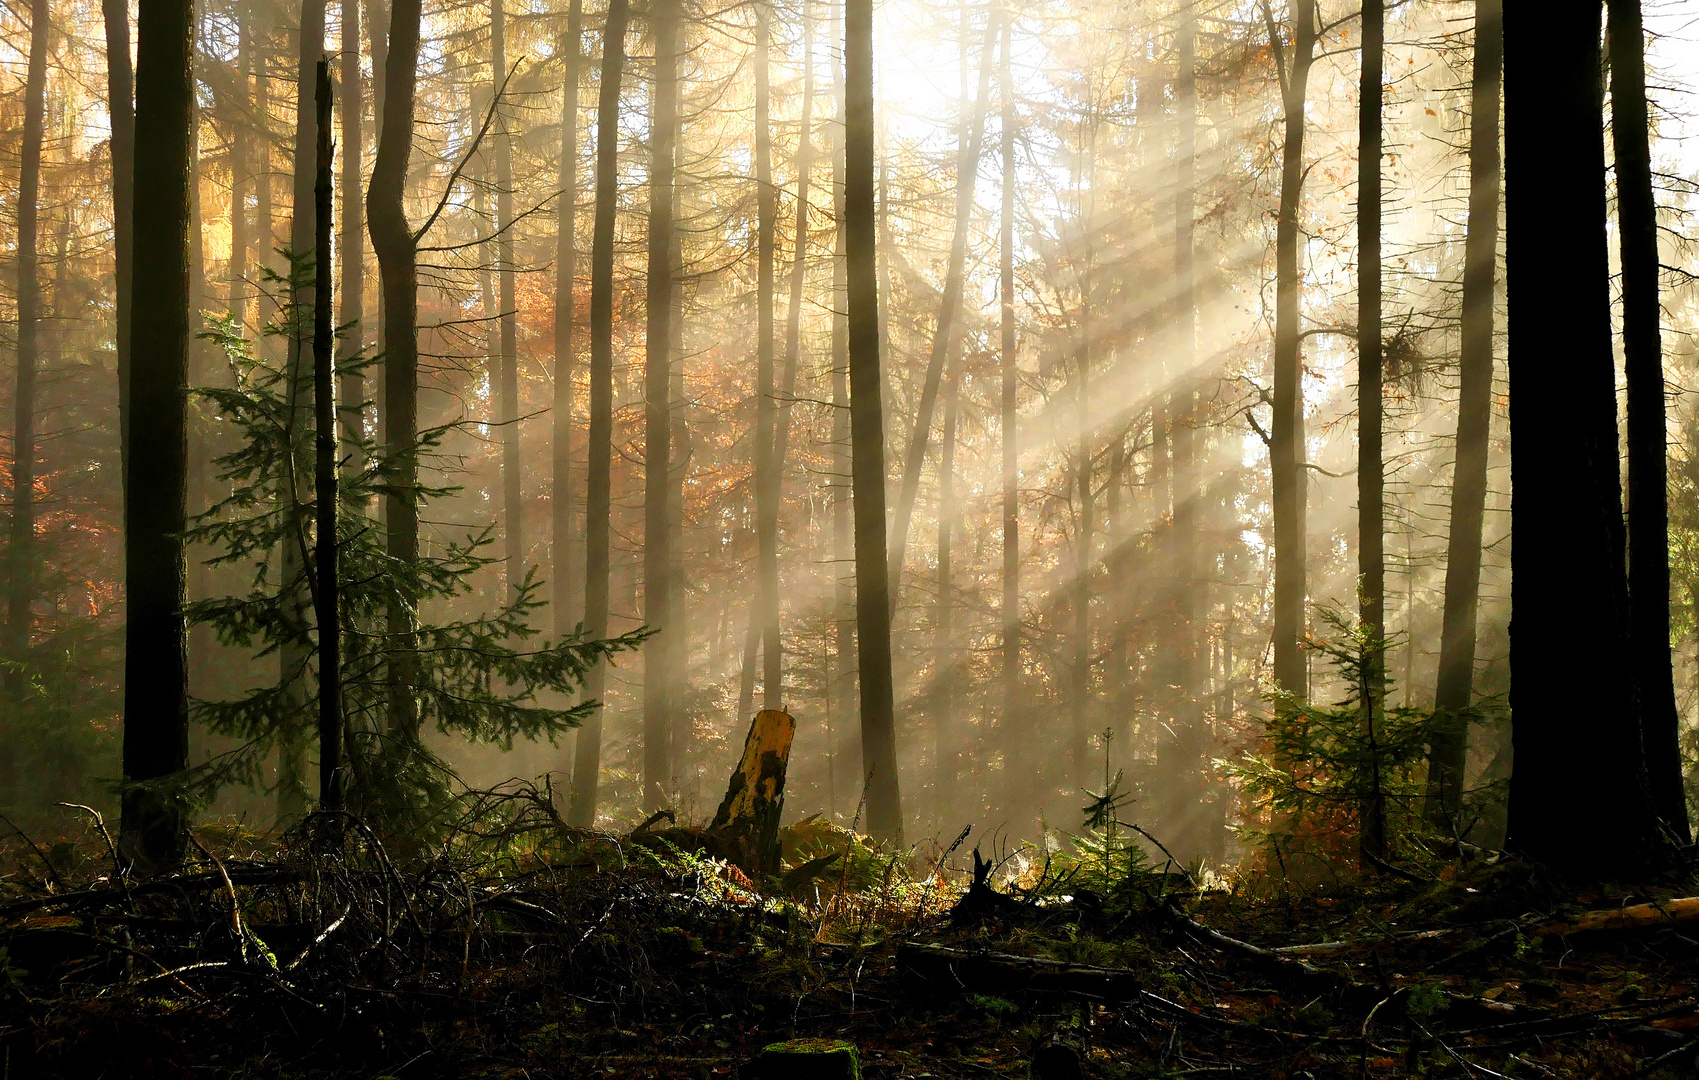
<point>747,823</point>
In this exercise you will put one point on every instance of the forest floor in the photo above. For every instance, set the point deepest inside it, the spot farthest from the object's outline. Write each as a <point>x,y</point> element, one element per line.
<point>324,954</point>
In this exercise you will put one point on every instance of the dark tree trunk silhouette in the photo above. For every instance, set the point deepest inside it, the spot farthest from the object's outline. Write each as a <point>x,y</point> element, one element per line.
<point>1286,434</point>
<point>768,489</point>
<point>396,247</point>
<point>20,600</point>
<point>327,591</point>
<point>1454,692</point>
<point>294,656</point>
<point>1648,476</point>
<point>241,178</point>
<point>867,436</point>
<point>587,753</point>
<point>507,319</point>
<point>566,558</point>
<point>1371,469</point>
<point>967,173</point>
<point>120,103</point>
<point>658,606</point>
<point>946,746</point>
<point>1578,795</point>
<point>156,683</point>
<point>351,312</point>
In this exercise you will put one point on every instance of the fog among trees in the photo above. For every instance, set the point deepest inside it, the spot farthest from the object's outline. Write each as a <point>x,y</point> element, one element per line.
<point>1226,414</point>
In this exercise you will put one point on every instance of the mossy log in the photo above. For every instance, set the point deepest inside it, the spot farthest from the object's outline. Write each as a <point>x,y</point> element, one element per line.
<point>806,1059</point>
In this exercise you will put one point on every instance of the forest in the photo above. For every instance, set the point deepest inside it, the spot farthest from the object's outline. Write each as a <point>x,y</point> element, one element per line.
<point>813,538</point>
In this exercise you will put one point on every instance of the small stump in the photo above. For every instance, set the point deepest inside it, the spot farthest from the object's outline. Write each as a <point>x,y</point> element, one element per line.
<point>806,1059</point>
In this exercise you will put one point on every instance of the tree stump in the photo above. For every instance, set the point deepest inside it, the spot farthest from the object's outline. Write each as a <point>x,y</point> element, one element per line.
<point>805,1059</point>
<point>747,822</point>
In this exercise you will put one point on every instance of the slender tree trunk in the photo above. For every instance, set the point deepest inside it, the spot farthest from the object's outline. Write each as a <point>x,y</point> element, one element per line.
<point>767,485</point>
<point>1080,693</point>
<point>327,594</point>
<point>1371,481</point>
<point>843,535</point>
<point>873,611</point>
<point>1578,796</point>
<point>1454,693</point>
<point>120,104</point>
<point>507,319</point>
<point>1648,480</point>
<point>1186,825</point>
<point>587,759</point>
<point>1012,738</point>
<point>352,308</point>
<point>241,176</point>
<point>1286,443</point>
<point>265,227</point>
<point>156,682</point>
<point>658,612</point>
<point>21,592</point>
<point>946,745</point>
<point>396,247</point>
<point>295,655</point>
<point>567,597</point>
<point>773,650</point>
<point>682,734</point>
<point>967,173</point>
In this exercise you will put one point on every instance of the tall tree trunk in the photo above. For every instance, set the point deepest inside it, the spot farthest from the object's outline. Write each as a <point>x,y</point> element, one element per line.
<point>396,247</point>
<point>682,734</point>
<point>120,103</point>
<point>1648,481</point>
<point>844,757</point>
<point>1080,693</point>
<point>967,173</point>
<point>1371,479</point>
<point>767,485</point>
<point>156,680</point>
<point>1186,825</point>
<point>1578,796</point>
<point>1286,435</point>
<point>1011,604</point>
<point>793,361</point>
<point>658,678</point>
<point>265,226</point>
<point>872,602</point>
<point>20,600</point>
<point>351,311</point>
<point>241,176</point>
<point>512,480</point>
<point>294,656</point>
<point>567,598</point>
<point>1454,693</point>
<point>587,759</point>
<point>327,593</point>
<point>946,746</point>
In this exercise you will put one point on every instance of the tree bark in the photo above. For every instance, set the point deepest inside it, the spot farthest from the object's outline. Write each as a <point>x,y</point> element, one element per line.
<point>1578,796</point>
<point>396,247</point>
<point>156,704</point>
<point>121,106</point>
<point>767,484</point>
<point>945,746</point>
<point>1454,693</point>
<point>20,600</point>
<point>1648,465</point>
<point>967,173</point>
<point>351,312</point>
<point>507,319</point>
<point>1371,478</point>
<point>1286,435</point>
<point>327,594</point>
<point>241,177</point>
<point>294,656</point>
<point>873,611</point>
<point>598,504</point>
<point>843,536</point>
<point>658,612</point>
<point>567,597</point>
